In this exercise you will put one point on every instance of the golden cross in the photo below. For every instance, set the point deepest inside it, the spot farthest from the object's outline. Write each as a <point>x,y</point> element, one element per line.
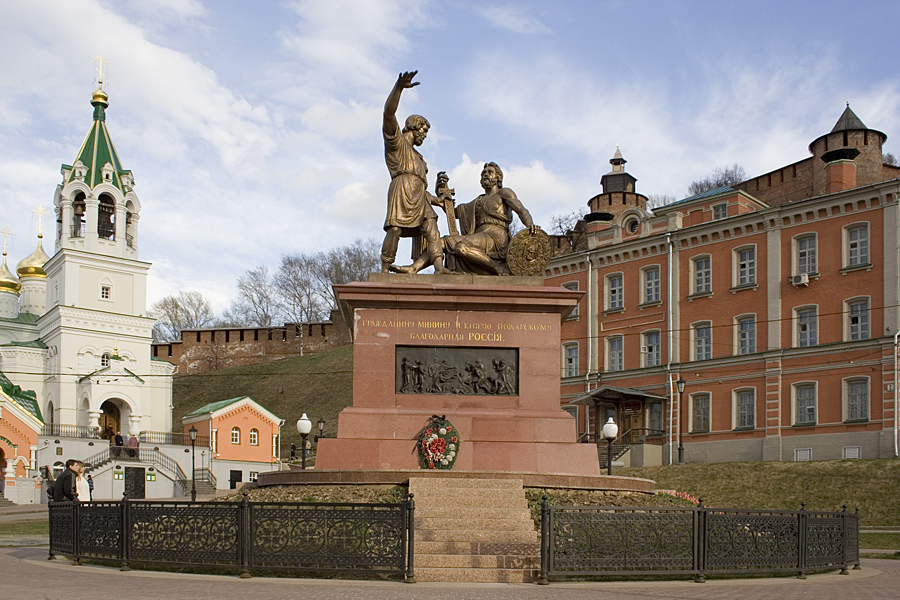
<point>40,213</point>
<point>100,63</point>
<point>6,233</point>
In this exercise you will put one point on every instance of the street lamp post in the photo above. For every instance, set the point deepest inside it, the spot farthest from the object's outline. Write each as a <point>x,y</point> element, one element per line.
<point>193,432</point>
<point>304,426</point>
<point>680,383</point>
<point>610,431</point>
<point>321,424</point>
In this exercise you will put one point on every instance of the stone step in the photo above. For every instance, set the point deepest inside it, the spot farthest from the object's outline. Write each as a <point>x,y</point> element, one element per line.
<point>475,535</point>
<point>469,501</point>
<point>482,548</point>
<point>423,483</point>
<point>477,561</point>
<point>469,575</point>
<point>502,524</point>
<point>446,512</point>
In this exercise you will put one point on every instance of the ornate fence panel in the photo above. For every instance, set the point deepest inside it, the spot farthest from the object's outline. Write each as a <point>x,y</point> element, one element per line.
<point>324,537</point>
<point>602,540</point>
<point>289,536</point>
<point>100,529</point>
<point>590,541</point>
<point>745,540</point>
<point>200,533</point>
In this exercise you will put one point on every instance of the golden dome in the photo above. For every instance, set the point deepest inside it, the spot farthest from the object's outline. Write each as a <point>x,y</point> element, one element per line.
<point>8,281</point>
<point>100,96</point>
<point>33,264</point>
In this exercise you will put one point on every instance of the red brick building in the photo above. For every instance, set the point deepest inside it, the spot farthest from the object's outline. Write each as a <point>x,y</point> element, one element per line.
<point>775,302</point>
<point>205,350</point>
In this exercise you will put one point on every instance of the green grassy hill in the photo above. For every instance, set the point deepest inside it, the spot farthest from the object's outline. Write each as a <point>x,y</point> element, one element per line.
<point>320,385</point>
<point>870,485</point>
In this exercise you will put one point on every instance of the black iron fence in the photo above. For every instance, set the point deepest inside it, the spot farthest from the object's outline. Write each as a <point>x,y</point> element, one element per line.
<point>591,541</point>
<point>293,537</point>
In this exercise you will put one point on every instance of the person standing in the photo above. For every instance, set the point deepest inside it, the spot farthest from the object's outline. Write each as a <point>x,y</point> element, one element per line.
<point>133,446</point>
<point>119,441</point>
<point>82,487</point>
<point>64,489</point>
<point>90,481</point>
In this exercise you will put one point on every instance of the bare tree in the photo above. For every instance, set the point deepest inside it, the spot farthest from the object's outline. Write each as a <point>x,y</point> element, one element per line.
<point>562,223</point>
<point>345,265</point>
<point>657,200</point>
<point>720,176</point>
<point>890,159</point>
<point>185,310</point>
<point>257,303</point>
<point>296,282</point>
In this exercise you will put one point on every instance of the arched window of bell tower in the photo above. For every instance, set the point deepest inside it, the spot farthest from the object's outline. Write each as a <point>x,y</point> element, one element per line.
<point>130,224</point>
<point>106,218</point>
<point>78,208</point>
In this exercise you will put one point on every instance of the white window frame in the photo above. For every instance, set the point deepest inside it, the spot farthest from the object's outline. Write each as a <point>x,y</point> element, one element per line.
<point>651,418</point>
<point>698,352</point>
<point>857,325</point>
<point>254,437</point>
<point>570,364</point>
<point>692,402</point>
<point>851,453</point>
<point>741,344</point>
<point>615,359</point>
<point>701,278</point>
<point>651,287</point>
<point>104,359</point>
<point>106,291</point>
<point>806,332</point>
<point>847,386</point>
<point>720,211</point>
<point>856,247</point>
<point>647,354</point>
<point>615,291</point>
<point>802,454</point>
<point>253,476</point>
<point>236,435</point>
<point>736,400</point>
<point>805,254</point>
<point>795,393</point>
<point>572,285</point>
<point>744,267</point>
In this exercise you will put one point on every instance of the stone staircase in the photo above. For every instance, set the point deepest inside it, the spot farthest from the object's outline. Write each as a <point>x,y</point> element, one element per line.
<point>474,530</point>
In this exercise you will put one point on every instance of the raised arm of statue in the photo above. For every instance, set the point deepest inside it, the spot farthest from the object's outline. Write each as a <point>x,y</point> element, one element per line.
<point>404,81</point>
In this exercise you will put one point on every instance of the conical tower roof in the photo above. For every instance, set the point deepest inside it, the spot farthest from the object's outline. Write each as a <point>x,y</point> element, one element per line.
<point>97,150</point>
<point>848,121</point>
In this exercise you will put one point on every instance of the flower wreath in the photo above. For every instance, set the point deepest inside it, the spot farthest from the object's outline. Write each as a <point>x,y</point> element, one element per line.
<point>438,444</point>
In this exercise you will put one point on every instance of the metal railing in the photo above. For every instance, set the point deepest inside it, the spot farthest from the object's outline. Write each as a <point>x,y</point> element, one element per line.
<point>591,541</point>
<point>146,455</point>
<point>293,537</point>
<point>71,431</point>
<point>176,439</point>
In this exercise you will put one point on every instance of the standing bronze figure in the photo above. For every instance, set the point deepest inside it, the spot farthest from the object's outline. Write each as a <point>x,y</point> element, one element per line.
<point>409,212</point>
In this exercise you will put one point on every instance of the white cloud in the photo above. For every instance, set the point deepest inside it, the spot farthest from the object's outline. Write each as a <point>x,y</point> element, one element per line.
<point>512,17</point>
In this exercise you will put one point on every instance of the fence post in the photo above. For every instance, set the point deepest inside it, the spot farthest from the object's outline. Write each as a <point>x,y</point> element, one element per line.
<point>856,567</point>
<point>410,540</point>
<point>844,541</point>
<point>244,536</point>
<point>76,534</point>
<point>801,541</point>
<point>50,556</point>
<point>545,547</point>
<point>125,532</point>
<point>700,541</point>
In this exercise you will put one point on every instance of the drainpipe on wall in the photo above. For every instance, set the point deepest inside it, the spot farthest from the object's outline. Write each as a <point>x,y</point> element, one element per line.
<point>896,365</point>
<point>669,317</point>
<point>590,320</point>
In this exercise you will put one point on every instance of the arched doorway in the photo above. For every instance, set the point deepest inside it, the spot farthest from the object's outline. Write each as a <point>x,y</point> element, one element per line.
<point>110,420</point>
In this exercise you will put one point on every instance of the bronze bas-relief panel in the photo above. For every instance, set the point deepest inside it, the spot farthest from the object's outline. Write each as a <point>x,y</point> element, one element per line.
<point>464,371</point>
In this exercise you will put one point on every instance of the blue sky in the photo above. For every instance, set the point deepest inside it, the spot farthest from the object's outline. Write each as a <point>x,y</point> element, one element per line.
<point>253,128</point>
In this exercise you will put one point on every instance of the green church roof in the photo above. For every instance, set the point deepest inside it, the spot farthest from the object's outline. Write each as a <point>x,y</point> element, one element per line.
<point>97,150</point>
<point>26,399</point>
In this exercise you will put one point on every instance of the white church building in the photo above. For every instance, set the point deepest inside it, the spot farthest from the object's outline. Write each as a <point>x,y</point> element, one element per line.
<point>75,344</point>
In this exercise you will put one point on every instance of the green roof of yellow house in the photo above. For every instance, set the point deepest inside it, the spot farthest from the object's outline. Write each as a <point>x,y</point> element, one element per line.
<point>26,399</point>
<point>214,406</point>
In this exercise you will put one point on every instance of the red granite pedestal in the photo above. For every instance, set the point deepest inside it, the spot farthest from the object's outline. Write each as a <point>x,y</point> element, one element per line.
<point>525,431</point>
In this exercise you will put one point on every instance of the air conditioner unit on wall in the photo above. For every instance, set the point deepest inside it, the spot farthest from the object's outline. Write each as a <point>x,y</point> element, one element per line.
<point>798,280</point>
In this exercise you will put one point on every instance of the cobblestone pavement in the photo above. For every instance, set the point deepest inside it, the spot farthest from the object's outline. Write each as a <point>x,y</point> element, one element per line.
<point>28,575</point>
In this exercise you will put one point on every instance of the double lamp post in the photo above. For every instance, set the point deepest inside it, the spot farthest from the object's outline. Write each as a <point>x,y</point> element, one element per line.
<point>304,426</point>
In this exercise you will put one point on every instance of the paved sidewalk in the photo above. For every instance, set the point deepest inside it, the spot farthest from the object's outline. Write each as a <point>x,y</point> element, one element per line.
<point>28,575</point>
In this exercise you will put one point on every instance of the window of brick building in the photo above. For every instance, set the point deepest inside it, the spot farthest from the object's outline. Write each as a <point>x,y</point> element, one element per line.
<point>746,335</point>
<point>615,355</point>
<point>745,409</point>
<point>615,292</point>
<point>807,327</point>
<point>856,405</point>
<point>570,358</point>
<point>858,319</point>
<point>805,404</point>
<point>806,254</point>
<point>702,275</point>
<point>651,284</point>
<point>651,349</point>
<point>700,417</point>
<point>857,245</point>
<point>702,333</point>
